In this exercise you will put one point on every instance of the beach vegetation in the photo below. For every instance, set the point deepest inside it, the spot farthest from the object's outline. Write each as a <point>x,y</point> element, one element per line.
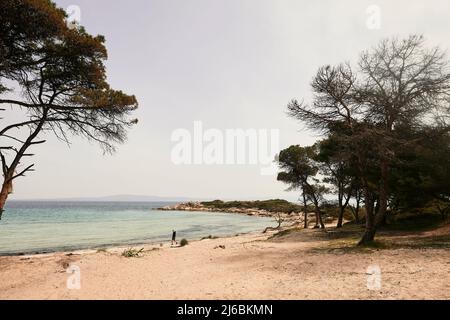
<point>271,205</point>
<point>132,253</point>
<point>299,169</point>
<point>385,146</point>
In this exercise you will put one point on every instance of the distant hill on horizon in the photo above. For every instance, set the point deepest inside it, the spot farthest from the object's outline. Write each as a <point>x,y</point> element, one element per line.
<point>141,198</point>
<point>119,198</point>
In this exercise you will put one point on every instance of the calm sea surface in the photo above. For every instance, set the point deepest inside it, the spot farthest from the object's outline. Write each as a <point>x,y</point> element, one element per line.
<point>41,226</point>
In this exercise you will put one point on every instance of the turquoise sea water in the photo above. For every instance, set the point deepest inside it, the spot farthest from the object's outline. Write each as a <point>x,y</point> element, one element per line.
<point>42,226</point>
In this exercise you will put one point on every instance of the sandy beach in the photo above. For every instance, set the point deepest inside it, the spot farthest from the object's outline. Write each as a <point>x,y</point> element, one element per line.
<point>300,264</point>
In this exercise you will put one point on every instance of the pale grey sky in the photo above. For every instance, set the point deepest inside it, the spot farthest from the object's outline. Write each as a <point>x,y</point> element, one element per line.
<point>227,63</point>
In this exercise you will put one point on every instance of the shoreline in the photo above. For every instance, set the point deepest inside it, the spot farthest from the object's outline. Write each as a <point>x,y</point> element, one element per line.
<point>296,264</point>
<point>138,243</point>
<point>121,247</point>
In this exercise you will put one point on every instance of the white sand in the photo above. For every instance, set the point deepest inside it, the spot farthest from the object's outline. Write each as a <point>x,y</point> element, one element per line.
<point>248,268</point>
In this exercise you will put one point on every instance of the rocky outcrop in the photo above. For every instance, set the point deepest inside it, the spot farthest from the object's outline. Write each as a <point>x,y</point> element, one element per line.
<point>197,206</point>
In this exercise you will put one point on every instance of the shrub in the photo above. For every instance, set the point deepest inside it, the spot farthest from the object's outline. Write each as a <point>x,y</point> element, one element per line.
<point>183,242</point>
<point>132,253</point>
<point>272,205</point>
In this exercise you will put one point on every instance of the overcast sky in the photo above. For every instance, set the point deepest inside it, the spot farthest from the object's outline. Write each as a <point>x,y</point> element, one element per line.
<point>228,63</point>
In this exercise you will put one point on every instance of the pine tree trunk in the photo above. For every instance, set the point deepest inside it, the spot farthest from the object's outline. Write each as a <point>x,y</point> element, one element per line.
<point>357,211</point>
<point>305,209</point>
<point>3,196</point>
<point>383,198</point>
<point>341,209</point>
<point>341,217</point>
<point>316,225</point>
<point>368,236</point>
<point>305,224</point>
<point>369,233</point>
<point>320,220</point>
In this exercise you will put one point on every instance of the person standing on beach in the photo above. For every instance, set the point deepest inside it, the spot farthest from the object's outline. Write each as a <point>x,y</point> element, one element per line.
<point>174,235</point>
